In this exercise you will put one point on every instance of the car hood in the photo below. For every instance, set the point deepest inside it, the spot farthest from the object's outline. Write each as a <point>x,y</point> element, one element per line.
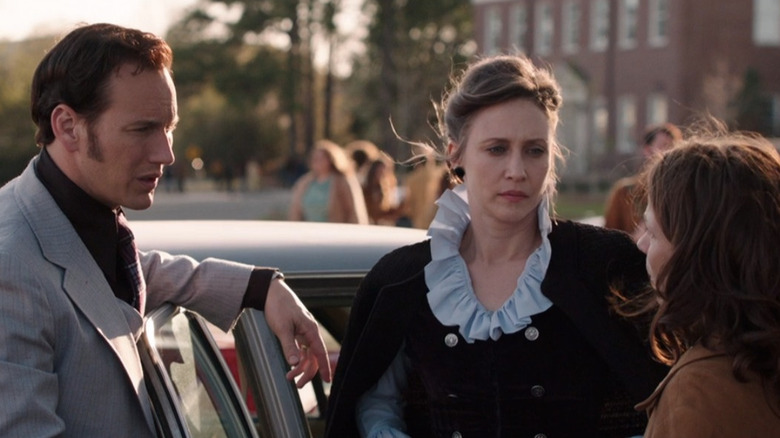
<point>293,247</point>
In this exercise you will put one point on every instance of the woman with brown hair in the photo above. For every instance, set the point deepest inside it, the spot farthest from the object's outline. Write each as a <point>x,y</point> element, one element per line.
<point>329,192</point>
<point>380,190</point>
<point>713,229</point>
<point>624,206</point>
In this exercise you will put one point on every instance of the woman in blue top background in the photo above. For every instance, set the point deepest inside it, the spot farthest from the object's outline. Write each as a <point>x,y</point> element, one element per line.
<point>499,325</point>
<point>330,191</point>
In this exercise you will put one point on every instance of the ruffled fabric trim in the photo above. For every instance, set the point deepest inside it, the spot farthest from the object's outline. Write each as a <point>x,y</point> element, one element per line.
<point>451,296</point>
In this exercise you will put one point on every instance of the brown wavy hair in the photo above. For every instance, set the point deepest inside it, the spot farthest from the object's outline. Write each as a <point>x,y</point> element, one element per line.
<point>338,159</point>
<point>716,198</point>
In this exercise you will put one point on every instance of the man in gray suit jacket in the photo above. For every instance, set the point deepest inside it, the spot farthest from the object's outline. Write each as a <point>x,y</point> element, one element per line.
<point>105,107</point>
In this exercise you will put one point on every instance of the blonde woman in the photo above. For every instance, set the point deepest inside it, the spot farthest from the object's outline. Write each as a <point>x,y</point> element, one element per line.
<point>499,324</point>
<point>329,192</point>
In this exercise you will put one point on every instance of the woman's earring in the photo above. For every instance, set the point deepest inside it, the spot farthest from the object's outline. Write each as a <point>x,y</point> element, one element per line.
<point>459,172</point>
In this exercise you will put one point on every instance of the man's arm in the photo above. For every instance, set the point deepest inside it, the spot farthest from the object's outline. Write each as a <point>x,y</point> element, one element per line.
<point>302,351</point>
<point>218,290</point>
<point>298,333</point>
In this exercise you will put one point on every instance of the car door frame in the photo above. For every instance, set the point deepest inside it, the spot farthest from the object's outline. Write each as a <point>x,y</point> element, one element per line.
<point>167,409</point>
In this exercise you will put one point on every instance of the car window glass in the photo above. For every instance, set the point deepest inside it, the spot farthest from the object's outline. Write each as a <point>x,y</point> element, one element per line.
<point>201,389</point>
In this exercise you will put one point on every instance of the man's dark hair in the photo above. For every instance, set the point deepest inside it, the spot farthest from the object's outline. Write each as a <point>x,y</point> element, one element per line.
<point>76,71</point>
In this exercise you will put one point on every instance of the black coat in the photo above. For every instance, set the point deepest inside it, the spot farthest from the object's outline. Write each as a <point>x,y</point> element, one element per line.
<point>586,261</point>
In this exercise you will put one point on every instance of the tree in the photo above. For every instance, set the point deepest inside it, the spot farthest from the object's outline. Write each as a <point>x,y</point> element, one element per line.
<point>753,106</point>
<point>17,132</point>
<point>412,49</point>
<point>229,95</point>
<point>244,61</point>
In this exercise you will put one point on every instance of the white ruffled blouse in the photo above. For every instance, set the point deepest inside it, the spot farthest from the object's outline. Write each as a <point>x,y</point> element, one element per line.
<point>453,302</point>
<point>451,296</point>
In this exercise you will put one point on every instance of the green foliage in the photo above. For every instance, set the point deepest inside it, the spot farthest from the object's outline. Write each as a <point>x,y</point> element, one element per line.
<point>245,75</point>
<point>17,144</point>
<point>249,88</point>
<point>224,133</point>
<point>753,106</point>
<point>574,205</point>
<point>228,95</point>
<point>412,49</point>
<point>265,85</point>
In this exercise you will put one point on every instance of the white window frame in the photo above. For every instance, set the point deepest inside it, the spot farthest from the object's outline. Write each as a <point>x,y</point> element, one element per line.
<point>657,108</point>
<point>599,25</point>
<point>544,30</point>
<point>658,23</point>
<point>519,27</point>
<point>493,29</point>
<point>626,121</point>
<point>766,22</point>
<point>572,26</point>
<point>628,23</point>
<point>599,125</point>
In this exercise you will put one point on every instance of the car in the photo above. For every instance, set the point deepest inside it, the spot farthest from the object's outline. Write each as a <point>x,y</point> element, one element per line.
<point>204,382</point>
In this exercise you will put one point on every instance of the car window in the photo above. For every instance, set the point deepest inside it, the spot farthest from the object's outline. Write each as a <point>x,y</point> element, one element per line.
<point>281,410</point>
<point>276,400</point>
<point>191,378</point>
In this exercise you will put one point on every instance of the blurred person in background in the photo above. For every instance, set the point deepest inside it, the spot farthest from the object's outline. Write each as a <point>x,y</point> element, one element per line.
<point>712,230</point>
<point>329,191</point>
<point>623,209</point>
<point>362,153</point>
<point>424,184</point>
<point>381,192</point>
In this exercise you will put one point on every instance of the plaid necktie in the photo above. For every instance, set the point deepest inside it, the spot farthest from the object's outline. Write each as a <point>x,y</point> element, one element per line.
<point>131,265</point>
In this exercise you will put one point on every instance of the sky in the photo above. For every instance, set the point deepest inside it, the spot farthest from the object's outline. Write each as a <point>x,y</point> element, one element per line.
<point>20,19</point>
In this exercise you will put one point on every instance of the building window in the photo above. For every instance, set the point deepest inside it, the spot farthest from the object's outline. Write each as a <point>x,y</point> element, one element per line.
<point>657,109</point>
<point>629,11</point>
<point>543,37</point>
<point>599,25</point>
<point>766,22</point>
<point>658,33</point>
<point>626,132</point>
<point>572,17</point>
<point>600,121</point>
<point>493,28</point>
<point>519,29</point>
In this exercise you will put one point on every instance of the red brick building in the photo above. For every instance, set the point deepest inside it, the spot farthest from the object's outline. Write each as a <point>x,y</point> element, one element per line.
<point>624,64</point>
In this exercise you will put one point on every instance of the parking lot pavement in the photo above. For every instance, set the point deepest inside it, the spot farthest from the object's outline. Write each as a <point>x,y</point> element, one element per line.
<point>270,204</point>
<point>593,220</point>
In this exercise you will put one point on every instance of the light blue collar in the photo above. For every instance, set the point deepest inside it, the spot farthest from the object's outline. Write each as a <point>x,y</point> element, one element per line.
<point>451,296</point>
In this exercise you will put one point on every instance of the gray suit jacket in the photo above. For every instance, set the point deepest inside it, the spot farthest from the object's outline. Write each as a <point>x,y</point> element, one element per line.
<point>68,360</point>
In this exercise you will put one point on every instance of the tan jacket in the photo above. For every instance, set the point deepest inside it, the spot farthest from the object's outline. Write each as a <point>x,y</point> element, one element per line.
<point>423,186</point>
<point>620,212</point>
<point>346,203</point>
<point>701,398</point>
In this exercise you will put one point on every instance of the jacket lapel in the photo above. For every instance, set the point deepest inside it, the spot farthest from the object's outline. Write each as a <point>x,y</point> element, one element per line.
<point>83,281</point>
